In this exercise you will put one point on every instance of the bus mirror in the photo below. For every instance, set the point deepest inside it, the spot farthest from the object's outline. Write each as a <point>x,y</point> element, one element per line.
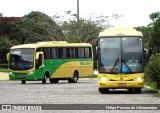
<point>7,56</point>
<point>37,55</point>
<point>145,53</point>
<point>39,59</point>
<point>97,52</point>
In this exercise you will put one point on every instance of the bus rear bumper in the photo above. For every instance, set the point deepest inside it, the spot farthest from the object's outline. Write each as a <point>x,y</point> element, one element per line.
<point>121,84</point>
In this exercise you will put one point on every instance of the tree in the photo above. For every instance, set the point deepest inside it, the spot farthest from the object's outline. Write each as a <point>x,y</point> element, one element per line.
<point>85,30</point>
<point>154,16</point>
<point>153,67</point>
<point>152,70</point>
<point>154,46</point>
<point>82,31</point>
<point>37,26</point>
<point>7,29</point>
<point>147,34</point>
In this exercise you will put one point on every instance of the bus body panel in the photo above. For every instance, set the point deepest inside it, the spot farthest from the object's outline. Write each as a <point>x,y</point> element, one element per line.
<point>84,68</point>
<point>135,80</point>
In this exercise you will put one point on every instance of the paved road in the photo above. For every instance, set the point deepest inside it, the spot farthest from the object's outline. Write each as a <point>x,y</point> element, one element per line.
<point>83,92</point>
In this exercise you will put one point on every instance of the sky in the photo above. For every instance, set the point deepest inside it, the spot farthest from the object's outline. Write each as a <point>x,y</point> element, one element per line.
<point>134,12</point>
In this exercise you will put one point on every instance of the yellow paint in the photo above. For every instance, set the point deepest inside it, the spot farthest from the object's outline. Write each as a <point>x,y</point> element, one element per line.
<point>115,79</point>
<point>116,31</point>
<point>67,69</point>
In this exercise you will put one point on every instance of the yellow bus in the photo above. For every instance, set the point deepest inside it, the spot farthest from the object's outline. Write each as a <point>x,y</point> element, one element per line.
<point>56,60</point>
<point>120,60</point>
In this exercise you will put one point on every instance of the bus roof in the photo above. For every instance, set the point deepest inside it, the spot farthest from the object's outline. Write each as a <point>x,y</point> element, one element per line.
<point>120,31</point>
<point>51,44</point>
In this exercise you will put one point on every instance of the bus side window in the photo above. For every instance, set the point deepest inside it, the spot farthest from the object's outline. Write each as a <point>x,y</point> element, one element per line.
<point>80,52</point>
<point>60,52</point>
<point>76,52</point>
<point>68,53</point>
<point>87,52</point>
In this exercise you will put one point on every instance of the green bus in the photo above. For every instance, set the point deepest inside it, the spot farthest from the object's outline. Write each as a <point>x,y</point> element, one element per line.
<point>56,60</point>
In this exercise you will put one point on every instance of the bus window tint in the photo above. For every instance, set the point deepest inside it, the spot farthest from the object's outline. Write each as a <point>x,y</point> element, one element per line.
<point>81,52</point>
<point>66,52</point>
<point>87,52</point>
<point>54,53</point>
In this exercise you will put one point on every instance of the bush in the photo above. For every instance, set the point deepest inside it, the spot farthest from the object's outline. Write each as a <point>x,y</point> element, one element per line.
<point>152,70</point>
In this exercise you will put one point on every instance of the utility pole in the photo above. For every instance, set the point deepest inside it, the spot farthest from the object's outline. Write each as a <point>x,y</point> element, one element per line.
<point>78,11</point>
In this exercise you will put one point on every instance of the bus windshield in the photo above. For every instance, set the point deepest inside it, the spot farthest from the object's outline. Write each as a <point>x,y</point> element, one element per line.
<point>21,59</point>
<point>120,54</point>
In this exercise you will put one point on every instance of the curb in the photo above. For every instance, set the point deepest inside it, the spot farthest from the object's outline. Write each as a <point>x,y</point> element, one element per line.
<point>4,76</point>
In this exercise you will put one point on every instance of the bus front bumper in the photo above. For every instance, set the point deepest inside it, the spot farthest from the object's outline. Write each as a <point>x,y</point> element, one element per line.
<point>21,76</point>
<point>120,84</point>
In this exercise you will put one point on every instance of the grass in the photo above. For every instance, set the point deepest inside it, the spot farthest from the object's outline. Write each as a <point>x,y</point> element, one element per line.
<point>90,76</point>
<point>152,87</point>
<point>4,70</point>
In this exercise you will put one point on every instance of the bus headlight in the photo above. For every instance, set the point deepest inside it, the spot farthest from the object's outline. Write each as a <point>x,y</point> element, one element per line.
<point>10,73</point>
<point>104,79</point>
<point>138,79</point>
<point>31,72</point>
<point>95,72</point>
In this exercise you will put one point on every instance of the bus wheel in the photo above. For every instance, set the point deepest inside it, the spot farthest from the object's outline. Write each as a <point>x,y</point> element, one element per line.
<point>23,81</point>
<point>103,90</point>
<point>44,79</point>
<point>53,80</point>
<point>74,79</point>
<point>137,90</point>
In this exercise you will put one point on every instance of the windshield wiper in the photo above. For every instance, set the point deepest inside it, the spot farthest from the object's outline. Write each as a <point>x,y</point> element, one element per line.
<point>115,63</point>
<point>127,66</point>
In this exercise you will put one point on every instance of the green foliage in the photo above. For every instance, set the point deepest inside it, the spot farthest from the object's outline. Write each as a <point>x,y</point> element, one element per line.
<point>154,16</point>
<point>37,26</point>
<point>152,70</point>
<point>147,34</point>
<point>151,85</point>
<point>6,43</point>
<point>90,76</point>
<point>4,70</point>
<point>155,42</point>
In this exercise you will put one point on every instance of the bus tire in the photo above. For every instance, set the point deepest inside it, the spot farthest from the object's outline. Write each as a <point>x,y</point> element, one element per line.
<point>137,90</point>
<point>103,90</point>
<point>53,80</point>
<point>23,81</point>
<point>44,79</point>
<point>74,79</point>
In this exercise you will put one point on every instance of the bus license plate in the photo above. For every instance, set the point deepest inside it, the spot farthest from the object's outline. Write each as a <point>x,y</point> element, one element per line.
<point>20,76</point>
<point>122,85</point>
